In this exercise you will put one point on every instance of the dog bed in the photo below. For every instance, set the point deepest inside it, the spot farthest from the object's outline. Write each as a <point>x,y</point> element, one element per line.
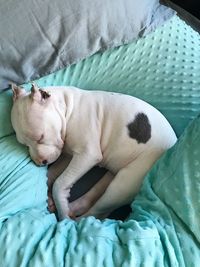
<point>163,228</point>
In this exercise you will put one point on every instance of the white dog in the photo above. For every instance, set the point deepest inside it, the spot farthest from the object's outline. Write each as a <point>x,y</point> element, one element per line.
<point>119,132</point>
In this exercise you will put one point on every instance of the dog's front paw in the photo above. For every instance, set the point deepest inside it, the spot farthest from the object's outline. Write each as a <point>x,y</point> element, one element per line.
<point>63,214</point>
<point>60,197</point>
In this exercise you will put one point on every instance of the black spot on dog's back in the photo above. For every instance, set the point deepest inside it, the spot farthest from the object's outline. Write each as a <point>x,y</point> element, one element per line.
<point>140,128</point>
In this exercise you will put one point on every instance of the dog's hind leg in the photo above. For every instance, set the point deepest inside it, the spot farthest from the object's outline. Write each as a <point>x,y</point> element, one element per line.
<point>81,205</point>
<point>124,186</point>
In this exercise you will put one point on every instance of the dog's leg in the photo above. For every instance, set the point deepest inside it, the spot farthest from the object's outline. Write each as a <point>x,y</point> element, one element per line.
<point>77,167</point>
<point>56,168</point>
<point>54,171</point>
<point>85,202</point>
<point>124,187</point>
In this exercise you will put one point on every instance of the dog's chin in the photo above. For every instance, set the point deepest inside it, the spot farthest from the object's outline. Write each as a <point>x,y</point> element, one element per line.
<point>50,161</point>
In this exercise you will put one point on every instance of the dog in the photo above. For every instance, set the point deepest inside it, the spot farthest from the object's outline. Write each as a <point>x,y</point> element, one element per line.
<point>119,132</point>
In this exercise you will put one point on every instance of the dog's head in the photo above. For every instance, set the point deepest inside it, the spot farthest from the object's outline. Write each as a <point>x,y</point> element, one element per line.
<point>37,123</point>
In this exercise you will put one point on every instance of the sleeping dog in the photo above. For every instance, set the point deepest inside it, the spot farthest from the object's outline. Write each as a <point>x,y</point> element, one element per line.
<point>119,132</point>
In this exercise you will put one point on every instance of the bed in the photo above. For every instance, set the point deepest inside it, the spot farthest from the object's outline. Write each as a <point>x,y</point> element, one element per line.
<point>163,227</point>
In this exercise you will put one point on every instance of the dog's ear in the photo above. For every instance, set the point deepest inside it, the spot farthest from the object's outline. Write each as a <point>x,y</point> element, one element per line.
<point>17,91</point>
<point>44,94</point>
<point>34,88</point>
<point>38,94</point>
<point>35,94</point>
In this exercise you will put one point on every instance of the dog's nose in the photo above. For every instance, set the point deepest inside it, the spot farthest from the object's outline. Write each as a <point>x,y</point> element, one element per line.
<point>44,162</point>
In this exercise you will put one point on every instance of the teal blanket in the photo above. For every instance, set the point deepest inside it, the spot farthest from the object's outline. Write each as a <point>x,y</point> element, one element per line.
<point>163,228</point>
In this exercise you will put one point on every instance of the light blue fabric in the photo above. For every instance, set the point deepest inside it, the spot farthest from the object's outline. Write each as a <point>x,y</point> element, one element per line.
<point>170,198</point>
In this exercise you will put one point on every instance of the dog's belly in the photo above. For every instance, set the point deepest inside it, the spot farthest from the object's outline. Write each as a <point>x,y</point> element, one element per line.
<point>120,157</point>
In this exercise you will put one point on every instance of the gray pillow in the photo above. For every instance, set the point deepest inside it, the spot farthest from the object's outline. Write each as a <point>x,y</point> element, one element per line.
<point>40,37</point>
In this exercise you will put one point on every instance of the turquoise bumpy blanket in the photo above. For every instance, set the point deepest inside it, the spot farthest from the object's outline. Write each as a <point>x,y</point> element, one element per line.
<point>163,228</point>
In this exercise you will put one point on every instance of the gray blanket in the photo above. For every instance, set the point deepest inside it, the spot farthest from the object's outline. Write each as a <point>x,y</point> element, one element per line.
<point>40,37</point>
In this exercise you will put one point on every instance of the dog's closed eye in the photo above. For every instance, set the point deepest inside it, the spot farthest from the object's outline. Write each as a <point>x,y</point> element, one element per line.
<point>40,140</point>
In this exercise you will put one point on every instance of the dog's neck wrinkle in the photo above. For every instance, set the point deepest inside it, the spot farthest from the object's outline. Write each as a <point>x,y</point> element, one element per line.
<point>68,101</point>
<point>60,105</point>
